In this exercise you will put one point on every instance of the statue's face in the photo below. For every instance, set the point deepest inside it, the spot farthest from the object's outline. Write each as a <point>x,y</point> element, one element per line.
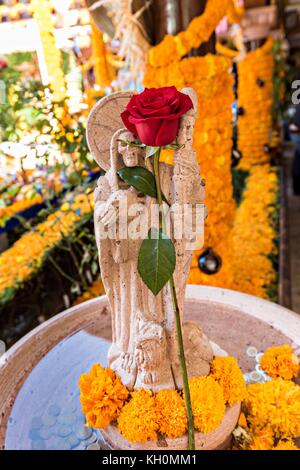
<point>129,154</point>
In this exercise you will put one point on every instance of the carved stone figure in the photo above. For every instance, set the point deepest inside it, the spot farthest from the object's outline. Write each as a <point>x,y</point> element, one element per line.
<point>144,346</point>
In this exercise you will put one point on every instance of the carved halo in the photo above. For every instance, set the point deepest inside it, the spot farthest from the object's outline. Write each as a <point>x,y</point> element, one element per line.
<point>103,121</point>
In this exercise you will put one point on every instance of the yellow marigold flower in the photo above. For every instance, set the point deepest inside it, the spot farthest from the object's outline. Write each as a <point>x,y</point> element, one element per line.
<point>274,405</point>
<point>172,413</point>
<point>228,374</point>
<point>207,403</point>
<point>65,207</point>
<point>102,395</point>
<point>286,445</point>
<point>279,361</point>
<point>138,420</point>
<point>262,440</point>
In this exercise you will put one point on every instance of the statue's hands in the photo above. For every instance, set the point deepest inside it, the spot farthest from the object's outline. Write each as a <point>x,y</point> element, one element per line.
<point>110,212</point>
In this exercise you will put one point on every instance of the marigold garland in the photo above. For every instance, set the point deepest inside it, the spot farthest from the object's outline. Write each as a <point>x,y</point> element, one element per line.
<point>138,420</point>
<point>172,413</point>
<point>210,78</point>
<point>207,403</point>
<point>42,14</point>
<point>103,76</point>
<point>279,361</point>
<point>254,233</point>
<point>255,98</point>
<point>226,371</point>
<point>102,395</point>
<point>18,206</point>
<point>172,48</point>
<point>23,259</point>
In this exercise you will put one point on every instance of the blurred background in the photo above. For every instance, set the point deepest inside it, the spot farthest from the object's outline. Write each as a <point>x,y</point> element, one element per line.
<point>58,57</point>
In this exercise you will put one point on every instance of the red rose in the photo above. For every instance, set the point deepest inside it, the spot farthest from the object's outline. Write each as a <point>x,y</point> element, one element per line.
<point>154,115</point>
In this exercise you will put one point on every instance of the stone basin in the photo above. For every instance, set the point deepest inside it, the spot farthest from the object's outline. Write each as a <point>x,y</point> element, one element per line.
<point>39,406</point>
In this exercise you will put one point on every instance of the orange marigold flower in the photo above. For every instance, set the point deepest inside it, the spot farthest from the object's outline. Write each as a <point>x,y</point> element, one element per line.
<point>274,405</point>
<point>262,440</point>
<point>286,445</point>
<point>102,395</point>
<point>207,403</point>
<point>138,420</point>
<point>228,374</point>
<point>279,361</point>
<point>172,413</point>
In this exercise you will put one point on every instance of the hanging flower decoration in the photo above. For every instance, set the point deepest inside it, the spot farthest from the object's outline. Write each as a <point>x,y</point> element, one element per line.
<point>255,97</point>
<point>172,48</point>
<point>42,14</point>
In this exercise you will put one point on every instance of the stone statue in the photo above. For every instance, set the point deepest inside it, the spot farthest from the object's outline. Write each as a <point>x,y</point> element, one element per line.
<point>144,346</point>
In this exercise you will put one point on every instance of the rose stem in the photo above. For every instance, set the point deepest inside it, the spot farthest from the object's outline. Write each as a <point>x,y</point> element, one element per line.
<point>185,379</point>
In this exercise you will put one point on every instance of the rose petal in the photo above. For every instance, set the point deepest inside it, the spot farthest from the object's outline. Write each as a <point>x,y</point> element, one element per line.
<point>167,132</point>
<point>148,130</point>
<point>185,103</point>
<point>129,125</point>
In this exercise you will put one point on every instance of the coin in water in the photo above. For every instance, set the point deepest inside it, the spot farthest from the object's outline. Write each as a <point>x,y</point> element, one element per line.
<point>38,445</point>
<point>58,443</point>
<point>64,431</point>
<point>84,433</point>
<point>70,408</point>
<point>67,419</point>
<point>258,356</point>
<point>36,423</point>
<point>73,440</point>
<point>34,434</point>
<point>251,351</point>
<point>54,410</point>
<point>46,432</point>
<point>259,369</point>
<point>94,446</point>
<point>91,439</point>
<point>255,376</point>
<point>49,420</point>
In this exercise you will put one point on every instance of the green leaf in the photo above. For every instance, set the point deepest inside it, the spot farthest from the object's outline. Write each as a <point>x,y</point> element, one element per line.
<point>151,150</point>
<point>140,178</point>
<point>156,260</point>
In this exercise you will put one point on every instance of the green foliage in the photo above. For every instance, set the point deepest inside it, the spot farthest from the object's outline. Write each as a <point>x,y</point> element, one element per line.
<point>239,178</point>
<point>156,260</point>
<point>66,64</point>
<point>140,178</point>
